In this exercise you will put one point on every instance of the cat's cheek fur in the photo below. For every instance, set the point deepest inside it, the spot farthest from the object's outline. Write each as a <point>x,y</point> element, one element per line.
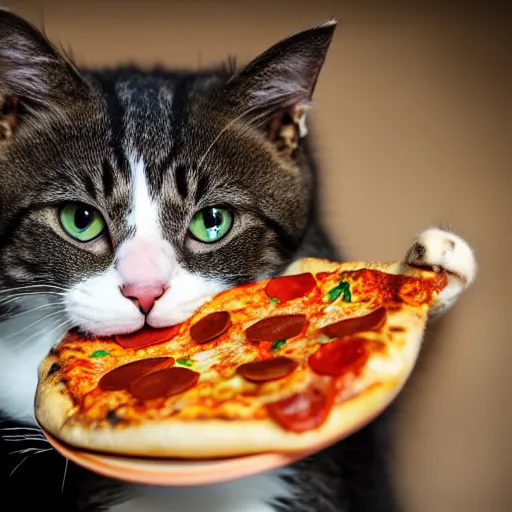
<point>97,306</point>
<point>184,295</point>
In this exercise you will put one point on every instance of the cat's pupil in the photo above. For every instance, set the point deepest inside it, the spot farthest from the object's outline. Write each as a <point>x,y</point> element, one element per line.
<point>83,218</point>
<point>212,218</point>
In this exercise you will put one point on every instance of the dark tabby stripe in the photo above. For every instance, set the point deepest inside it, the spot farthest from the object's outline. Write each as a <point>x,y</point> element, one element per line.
<point>107,178</point>
<point>116,113</point>
<point>203,184</point>
<point>181,177</point>
<point>286,244</point>
<point>90,187</point>
<point>160,170</point>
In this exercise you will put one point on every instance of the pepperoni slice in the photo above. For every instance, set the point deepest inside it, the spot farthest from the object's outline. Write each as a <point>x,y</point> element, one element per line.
<point>122,376</point>
<point>147,336</point>
<point>276,328</point>
<point>162,383</point>
<point>303,411</point>
<point>268,369</point>
<point>287,288</point>
<point>371,322</point>
<point>210,327</point>
<point>341,356</point>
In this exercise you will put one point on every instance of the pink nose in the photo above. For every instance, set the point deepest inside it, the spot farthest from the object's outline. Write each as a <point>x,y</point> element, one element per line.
<point>144,296</point>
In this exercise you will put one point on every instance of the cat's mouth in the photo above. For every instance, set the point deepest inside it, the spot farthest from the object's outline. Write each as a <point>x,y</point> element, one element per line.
<point>146,329</point>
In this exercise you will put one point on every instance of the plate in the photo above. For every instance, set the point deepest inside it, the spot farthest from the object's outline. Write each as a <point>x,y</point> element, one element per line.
<point>181,472</point>
<point>175,472</point>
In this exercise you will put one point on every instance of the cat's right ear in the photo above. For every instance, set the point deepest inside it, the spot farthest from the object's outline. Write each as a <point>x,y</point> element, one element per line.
<point>35,78</point>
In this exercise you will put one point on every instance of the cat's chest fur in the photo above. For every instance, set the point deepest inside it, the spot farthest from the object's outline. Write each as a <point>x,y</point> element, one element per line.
<point>254,494</point>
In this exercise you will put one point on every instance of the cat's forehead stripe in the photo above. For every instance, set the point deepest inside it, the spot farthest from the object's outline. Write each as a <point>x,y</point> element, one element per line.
<point>107,178</point>
<point>181,177</point>
<point>143,215</point>
<point>90,186</point>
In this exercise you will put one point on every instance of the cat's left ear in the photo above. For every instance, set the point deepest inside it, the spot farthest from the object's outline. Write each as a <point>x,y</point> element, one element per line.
<point>278,85</point>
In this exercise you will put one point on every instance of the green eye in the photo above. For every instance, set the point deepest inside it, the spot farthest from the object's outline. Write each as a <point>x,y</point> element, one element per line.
<point>211,224</point>
<point>81,222</point>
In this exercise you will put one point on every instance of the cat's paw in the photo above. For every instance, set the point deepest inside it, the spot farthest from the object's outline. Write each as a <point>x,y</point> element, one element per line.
<point>444,251</point>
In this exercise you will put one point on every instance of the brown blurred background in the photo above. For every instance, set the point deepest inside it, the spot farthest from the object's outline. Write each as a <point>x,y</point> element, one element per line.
<point>413,124</point>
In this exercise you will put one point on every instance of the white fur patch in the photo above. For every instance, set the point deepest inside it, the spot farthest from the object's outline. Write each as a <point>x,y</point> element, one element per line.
<point>144,213</point>
<point>253,494</point>
<point>145,259</point>
<point>98,306</point>
<point>450,252</point>
<point>303,127</point>
<point>186,292</point>
<point>25,340</point>
<point>438,248</point>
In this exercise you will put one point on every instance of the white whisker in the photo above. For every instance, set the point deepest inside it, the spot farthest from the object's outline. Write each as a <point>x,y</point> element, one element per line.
<point>43,306</point>
<point>19,296</point>
<point>33,324</point>
<point>46,331</point>
<point>26,438</point>
<point>228,125</point>
<point>25,450</point>
<point>64,477</point>
<point>10,436</point>
<point>30,454</point>
<point>5,429</point>
<point>29,287</point>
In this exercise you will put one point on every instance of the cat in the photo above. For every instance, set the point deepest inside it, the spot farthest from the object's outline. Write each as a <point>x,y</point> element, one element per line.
<point>130,197</point>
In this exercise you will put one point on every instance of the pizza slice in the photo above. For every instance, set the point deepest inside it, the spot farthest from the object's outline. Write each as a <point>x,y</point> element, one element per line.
<point>285,364</point>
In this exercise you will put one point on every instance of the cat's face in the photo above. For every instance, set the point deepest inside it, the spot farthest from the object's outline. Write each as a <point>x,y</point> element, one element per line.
<point>130,198</point>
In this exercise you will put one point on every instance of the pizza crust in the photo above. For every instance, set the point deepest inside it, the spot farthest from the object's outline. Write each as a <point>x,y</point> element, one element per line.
<point>225,438</point>
<point>216,438</point>
<point>53,403</point>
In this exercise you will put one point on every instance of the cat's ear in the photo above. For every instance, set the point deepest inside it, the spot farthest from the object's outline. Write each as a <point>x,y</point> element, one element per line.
<point>35,78</point>
<point>278,85</point>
